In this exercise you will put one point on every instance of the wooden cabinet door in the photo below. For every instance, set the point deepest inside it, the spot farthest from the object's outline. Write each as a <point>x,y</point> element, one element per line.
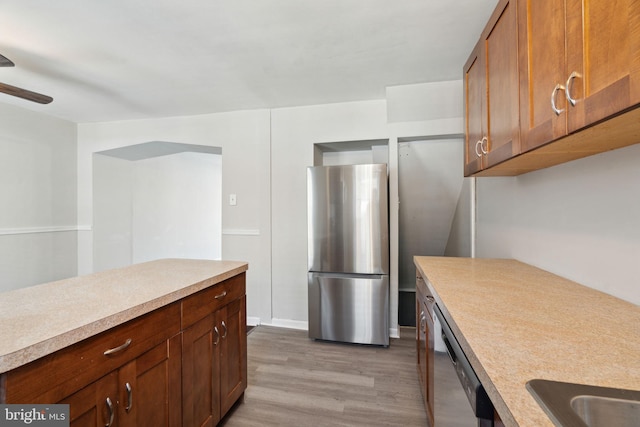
<point>89,407</point>
<point>492,93</point>
<point>475,110</point>
<point>542,68</point>
<point>603,52</point>
<point>200,397</point>
<point>425,347</point>
<point>233,354</point>
<point>150,389</point>
<point>501,58</point>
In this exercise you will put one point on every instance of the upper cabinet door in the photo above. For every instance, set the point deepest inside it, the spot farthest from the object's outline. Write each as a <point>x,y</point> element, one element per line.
<point>501,58</point>
<point>542,69</point>
<point>603,59</point>
<point>475,110</point>
<point>491,93</point>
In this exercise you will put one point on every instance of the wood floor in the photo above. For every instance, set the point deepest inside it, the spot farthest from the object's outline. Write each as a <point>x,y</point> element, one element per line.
<point>294,381</point>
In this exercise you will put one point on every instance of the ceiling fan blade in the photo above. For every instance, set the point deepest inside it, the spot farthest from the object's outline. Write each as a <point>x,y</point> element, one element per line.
<point>6,62</point>
<point>25,94</point>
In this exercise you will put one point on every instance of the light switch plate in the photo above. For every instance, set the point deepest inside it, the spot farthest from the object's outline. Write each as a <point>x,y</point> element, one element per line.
<point>232,199</point>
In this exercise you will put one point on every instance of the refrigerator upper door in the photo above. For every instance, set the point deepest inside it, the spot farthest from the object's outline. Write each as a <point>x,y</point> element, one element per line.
<point>348,219</point>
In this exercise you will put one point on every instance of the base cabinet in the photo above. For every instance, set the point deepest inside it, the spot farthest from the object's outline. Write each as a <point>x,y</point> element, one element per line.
<point>184,364</point>
<point>214,361</point>
<point>144,392</point>
<point>425,345</point>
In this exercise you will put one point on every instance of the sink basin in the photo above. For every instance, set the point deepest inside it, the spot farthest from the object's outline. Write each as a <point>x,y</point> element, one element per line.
<point>580,405</point>
<point>597,411</point>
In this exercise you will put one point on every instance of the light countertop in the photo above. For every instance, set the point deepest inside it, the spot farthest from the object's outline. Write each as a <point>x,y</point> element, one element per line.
<point>516,322</point>
<point>42,319</point>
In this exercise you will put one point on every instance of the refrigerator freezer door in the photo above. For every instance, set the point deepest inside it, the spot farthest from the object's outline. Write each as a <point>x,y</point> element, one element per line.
<point>348,219</point>
<point>353,308</point>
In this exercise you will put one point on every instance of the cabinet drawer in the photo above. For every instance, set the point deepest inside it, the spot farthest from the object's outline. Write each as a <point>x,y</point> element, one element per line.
<point>53,377</point>
<point>205,302</point>
<point>424,294</point>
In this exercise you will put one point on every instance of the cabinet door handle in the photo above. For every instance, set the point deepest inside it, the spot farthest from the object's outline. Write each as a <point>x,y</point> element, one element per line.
<point>569,85</point>
<point>127,408</point>
<point>222,295</point>
<point>478,153</point>
<point>110,411</point>
<point>484,142</point>
<point>430,298</point>
<point>215,329</point>
<point>126,344</point>
<point>553,99</point>
<point>224,325</point>
<point>423,322</point>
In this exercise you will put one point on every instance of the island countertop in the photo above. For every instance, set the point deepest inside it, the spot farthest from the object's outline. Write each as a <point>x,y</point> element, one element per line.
<point>516,322</point>
<point>39,320</point>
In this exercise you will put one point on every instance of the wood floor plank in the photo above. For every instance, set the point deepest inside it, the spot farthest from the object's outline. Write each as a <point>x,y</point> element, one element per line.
<point>295,381</point>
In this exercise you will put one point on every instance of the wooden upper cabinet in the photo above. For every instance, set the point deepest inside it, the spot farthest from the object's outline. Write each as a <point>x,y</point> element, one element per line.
<point>541,36</point>
<point>582,56</point>
<point>475,98</point>
<point>492,93</point>
<point>603,52</point>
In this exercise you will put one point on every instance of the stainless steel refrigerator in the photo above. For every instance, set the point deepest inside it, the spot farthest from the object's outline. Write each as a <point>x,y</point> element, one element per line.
<point>348,279</point>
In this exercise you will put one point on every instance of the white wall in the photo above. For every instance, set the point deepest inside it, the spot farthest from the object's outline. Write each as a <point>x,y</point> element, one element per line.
<point>38,198</point>
<point>177,207</point>
<point>580,220</point>
<point>112,212</point>
<point>244,138</point>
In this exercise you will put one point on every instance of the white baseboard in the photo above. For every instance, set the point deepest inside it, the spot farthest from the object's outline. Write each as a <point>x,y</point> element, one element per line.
<point>290,324</point>
<point>253,321</point>
<point>301,325</point>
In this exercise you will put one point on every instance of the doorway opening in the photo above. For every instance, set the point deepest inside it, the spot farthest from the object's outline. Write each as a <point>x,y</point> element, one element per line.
<point>156,200</point>
<point>431,191</point>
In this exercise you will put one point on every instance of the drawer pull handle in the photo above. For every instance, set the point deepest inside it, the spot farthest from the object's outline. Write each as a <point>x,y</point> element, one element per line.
<point>215,329</point>
<point>110,412</point>
<point>224,325</point>
<point>127,408</point>
<point>126,344</point>
<point>222,295</point>
<point>430,298</point>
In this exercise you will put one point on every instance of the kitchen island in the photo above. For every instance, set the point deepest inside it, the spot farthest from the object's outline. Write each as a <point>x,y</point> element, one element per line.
<point>164,329</point>
<point>516,323</point>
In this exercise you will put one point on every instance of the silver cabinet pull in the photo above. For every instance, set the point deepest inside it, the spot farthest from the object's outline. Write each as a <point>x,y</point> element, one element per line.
<point>553,99</point>
<point>224,325</point>
<point>110,411</point>
<point>478,153</point>
<point>222,295</point>
<point>484,141</point>
<point>430,298</point>
<point>423,322</point>
<point>569,85</point>
<point>215,329</point>
<point>126,344</point>
<point>127,408</point>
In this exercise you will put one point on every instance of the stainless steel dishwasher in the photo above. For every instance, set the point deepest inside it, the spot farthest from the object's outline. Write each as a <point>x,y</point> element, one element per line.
<point>460,400</point>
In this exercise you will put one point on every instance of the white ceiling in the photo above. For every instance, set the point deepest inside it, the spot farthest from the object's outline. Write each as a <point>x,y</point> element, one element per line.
<point>104,60</point>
